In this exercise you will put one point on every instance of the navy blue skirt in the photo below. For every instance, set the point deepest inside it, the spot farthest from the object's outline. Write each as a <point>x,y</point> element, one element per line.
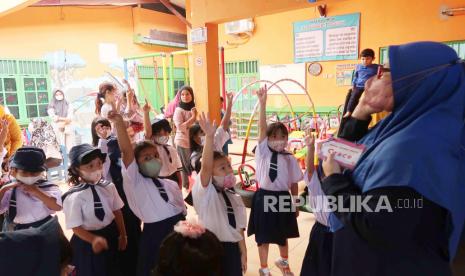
<point>268,225</point>
<point>232,265</point>
<point>32,224</point>
<point>88,263</point>
<point>317,260</point>
<point>152,236</point>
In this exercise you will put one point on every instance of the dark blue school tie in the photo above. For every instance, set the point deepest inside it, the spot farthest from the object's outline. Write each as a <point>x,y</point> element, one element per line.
<point>98,207</point>
<point>161,189</point>
<point>168,152</point>
<point>229,210</point>
<point>273,173</point>
<point>12,207</point>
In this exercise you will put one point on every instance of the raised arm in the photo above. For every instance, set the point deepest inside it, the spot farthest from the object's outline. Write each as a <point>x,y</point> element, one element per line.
<point>261,93</point>
<point>309,160</point>
<point>147,124</point>
<point>123,138</point>
<point>207,156</point>
<point>227,115</point>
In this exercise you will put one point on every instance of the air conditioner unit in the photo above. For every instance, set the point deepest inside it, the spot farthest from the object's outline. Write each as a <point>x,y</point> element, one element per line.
<point>240,26</point>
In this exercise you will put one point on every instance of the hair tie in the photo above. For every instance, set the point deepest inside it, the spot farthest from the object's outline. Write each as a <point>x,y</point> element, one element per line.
<point>189,228</point>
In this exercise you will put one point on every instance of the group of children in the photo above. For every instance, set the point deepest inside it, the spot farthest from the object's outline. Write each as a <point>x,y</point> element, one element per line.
<point>121,181</point>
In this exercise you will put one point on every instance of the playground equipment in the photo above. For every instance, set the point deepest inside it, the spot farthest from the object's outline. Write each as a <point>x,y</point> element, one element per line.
<point>248,185</point>
<point>167,69</point>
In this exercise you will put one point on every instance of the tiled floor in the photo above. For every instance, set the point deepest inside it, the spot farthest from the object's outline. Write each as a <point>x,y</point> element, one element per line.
<point>297,246</point>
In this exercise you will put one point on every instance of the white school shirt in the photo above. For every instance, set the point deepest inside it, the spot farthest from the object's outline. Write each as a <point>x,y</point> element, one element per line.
<point>106,108</point>
<point>211,208</point>
<point>288,169</point>
<point>79,206</point>
<point>168,168</point>
<point>29,208</point>
<point>221,137</point>
<point>145,200</point>
<point>317,198</point>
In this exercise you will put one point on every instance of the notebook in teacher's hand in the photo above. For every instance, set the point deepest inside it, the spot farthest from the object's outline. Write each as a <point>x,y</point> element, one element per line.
<point>347,153</point>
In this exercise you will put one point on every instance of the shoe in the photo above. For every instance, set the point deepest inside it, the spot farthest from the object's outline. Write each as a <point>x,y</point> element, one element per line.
<point>262,273</point>
<point>284,267</point>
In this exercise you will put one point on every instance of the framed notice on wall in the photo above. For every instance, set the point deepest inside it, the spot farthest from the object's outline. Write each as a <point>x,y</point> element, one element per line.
<point>331,38</point>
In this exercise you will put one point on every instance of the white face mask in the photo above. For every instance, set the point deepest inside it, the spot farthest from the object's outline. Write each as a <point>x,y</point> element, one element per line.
<point>277,145</point>
<point>162,140</point>
<point>92,177</point>
<point>226,182</point>
<point>59,98</point>
<point>202,140</point>
<point>29,180</point>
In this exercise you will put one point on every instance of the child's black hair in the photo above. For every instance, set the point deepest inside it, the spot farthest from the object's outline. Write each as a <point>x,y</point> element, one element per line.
<point>275,127</point>
<point>196,158</point>
<point>193,131</point>
<point>160,125</point>
<point>95,122</point>
<point>181,255</point>
<point>368,53</point>
<point>140,146</point>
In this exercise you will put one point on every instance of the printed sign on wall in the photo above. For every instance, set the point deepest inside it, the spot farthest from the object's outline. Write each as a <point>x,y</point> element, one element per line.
<point>331,38</point>
<point>344,74</point>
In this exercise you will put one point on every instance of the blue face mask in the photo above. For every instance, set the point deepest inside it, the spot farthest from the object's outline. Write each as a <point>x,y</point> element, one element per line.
<point>151,168</point>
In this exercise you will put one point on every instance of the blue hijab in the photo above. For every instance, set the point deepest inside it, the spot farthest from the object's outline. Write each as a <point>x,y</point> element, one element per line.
<point>421,144</point>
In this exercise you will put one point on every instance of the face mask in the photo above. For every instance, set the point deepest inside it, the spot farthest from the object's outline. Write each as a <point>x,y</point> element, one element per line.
<point>59,98</point>
<point>92,177</point>
<point>162,140</point>
<point>29,180</point>
<point>277,145</point>
<point>151,168</point>
<point>202,140</point>
<point>226,182</point>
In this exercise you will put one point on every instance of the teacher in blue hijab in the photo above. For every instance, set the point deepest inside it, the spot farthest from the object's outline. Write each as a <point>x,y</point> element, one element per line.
<point>409,185</point>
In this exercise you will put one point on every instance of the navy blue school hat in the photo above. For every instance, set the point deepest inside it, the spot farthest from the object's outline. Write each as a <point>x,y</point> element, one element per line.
<point>159,124</point>
<point>78,153</point>
<point>31,159</point>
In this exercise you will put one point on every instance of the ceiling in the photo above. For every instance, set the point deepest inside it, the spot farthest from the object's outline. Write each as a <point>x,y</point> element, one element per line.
<point>179,3</point>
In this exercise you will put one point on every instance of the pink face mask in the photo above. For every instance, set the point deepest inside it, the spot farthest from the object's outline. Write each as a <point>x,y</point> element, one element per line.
<point>226,182</point>
<point>277,145</point>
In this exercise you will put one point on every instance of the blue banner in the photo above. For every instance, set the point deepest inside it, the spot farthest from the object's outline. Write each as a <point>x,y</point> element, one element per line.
<point>330,38</point>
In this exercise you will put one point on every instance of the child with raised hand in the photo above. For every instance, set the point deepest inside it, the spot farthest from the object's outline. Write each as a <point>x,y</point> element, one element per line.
<point>269,223</point>
<point>103,139</point>
<point>92,210</point>
<point>317,260</point>
<point>29,199</point>
<point>106,97</point>
<point>190,250</point>
<point>222,136</point>
<point>219,208</point>
<point>159,131</point>
<point>157,202</point>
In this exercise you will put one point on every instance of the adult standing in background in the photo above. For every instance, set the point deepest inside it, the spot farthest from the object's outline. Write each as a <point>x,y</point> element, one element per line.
<point>184,117</point>
<point>61,113</point>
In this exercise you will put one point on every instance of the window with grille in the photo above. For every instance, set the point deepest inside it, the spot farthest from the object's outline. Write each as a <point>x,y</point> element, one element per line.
<point>25,88</point>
